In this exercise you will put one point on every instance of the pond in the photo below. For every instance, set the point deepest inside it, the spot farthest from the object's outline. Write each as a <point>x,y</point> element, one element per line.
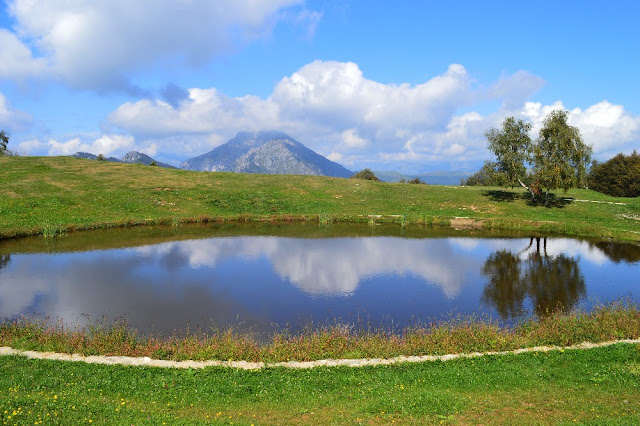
<point>263,278</point>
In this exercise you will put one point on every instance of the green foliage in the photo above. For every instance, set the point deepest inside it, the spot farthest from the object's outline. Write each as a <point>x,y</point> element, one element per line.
<point>366,174</point>
<point>512,148</point>
<point>153,163</point>
<point>486,176</point>
<point>4,141</point>
<point>416,181</point>
<point>619,176</point>
<point>560,157</point>
<point>100,157</point>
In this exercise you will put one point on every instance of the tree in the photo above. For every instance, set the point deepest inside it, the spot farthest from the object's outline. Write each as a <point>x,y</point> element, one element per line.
<point>619,176</point>
<point>486,176</point>
<point>4,141</point>
<point>366,174</point>
<point>559,157</point>
<point>512,147</point>
<point>417,181</point>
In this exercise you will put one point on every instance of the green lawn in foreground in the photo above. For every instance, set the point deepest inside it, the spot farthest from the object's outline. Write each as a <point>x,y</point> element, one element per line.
<point>597,386</point>
<point>51,194</point>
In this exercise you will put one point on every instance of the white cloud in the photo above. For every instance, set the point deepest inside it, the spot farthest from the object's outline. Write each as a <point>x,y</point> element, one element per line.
<point>16,59</point>
<point>351,139</point>
<point>12,119</point>
<point>335,110</point>
<point>107,145</point>
<point>97,44</point>
<point>329,106</point>
<point>516,88</point>
<point>604,125</point>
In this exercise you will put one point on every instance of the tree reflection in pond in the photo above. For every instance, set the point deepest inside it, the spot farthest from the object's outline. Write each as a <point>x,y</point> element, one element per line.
<point>550,283</point>
<point>4,260</point>
<point>619,252</point>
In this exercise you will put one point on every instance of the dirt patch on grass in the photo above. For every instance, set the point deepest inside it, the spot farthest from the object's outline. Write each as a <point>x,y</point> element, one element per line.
<point>466,223</point>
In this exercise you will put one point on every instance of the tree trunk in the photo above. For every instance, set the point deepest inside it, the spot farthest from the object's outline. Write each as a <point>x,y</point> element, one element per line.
<point>533,195</point>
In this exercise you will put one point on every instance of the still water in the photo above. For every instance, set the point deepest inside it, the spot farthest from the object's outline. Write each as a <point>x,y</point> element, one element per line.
<point>174,281</point>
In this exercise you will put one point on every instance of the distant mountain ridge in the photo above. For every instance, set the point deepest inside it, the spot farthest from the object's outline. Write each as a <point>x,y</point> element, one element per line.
<point>268,152</point>
<point>432,178</point>
<point>133,157</point>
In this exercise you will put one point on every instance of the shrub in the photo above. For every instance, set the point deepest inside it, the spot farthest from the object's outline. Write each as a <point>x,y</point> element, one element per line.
<point>416,180</point>
<point>619,176</point>
<point>365,174</point>
<point>100,157</point>
<point>486,176</point>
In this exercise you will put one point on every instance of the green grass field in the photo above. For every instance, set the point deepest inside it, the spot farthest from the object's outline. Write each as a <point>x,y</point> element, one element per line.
<point>50,195</point>
<point>596,386</point>
<point>47,195</point>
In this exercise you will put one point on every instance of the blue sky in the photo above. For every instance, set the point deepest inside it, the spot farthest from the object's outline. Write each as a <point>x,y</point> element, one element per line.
<point>407,85</point>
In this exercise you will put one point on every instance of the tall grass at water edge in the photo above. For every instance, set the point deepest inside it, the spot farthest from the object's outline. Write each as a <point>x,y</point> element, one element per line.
<point>620,320</point>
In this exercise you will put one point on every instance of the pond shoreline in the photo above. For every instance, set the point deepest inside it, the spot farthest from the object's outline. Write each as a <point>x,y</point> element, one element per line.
<point>52,195</point>
<point>611,322</point>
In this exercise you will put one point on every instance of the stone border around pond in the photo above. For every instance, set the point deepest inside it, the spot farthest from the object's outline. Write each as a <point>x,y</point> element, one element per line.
<point>247,365</point>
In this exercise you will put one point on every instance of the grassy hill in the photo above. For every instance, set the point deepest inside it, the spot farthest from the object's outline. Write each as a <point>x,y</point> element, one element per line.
<point>53,194</point>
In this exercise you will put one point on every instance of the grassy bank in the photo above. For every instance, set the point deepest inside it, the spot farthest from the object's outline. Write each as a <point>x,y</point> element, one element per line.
<point>610,322</point>
<point>599,386</point>
<point>49,195</point>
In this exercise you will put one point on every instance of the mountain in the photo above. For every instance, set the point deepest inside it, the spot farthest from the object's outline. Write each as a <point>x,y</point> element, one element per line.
<point>265,152</point>
<point>140,158</point>
<point>432,178</point>
<point>131,157</point>
<point>89,156</point>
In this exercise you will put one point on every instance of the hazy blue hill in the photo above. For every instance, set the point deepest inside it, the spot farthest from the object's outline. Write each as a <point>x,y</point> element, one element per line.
<point>432,178</point>
<point>265,152</point>
<point>131,157</point>
<point>89,156</point>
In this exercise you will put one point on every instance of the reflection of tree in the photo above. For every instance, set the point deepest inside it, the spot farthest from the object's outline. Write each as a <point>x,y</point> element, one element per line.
<point>4,260</point>
<point>618,252</point>
<point>505,290</point>
<point>553,283</point>
<point>550,283</point>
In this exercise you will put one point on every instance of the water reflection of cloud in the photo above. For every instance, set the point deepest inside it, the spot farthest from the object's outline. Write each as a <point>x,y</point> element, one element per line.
<point>555,247</point>
<point>334,266</point>
<point>112,284</point>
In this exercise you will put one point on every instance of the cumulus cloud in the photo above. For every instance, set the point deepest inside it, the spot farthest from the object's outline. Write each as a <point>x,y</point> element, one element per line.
<point>604,125</point>
<point>334,109</point>
<point>97,44</point>
<point>16,59</point>
<point>330,106</point>
<point>107,145</point>
<point>516,88</point>
<point>12,119</point>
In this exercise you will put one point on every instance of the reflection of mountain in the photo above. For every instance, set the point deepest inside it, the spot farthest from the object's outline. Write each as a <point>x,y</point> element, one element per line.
<point>550,282</point>
<point>335,266</point>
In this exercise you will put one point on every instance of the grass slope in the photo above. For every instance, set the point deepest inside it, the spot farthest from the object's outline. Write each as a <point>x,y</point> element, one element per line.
<point>600,386</point>
<point>47,195</point>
